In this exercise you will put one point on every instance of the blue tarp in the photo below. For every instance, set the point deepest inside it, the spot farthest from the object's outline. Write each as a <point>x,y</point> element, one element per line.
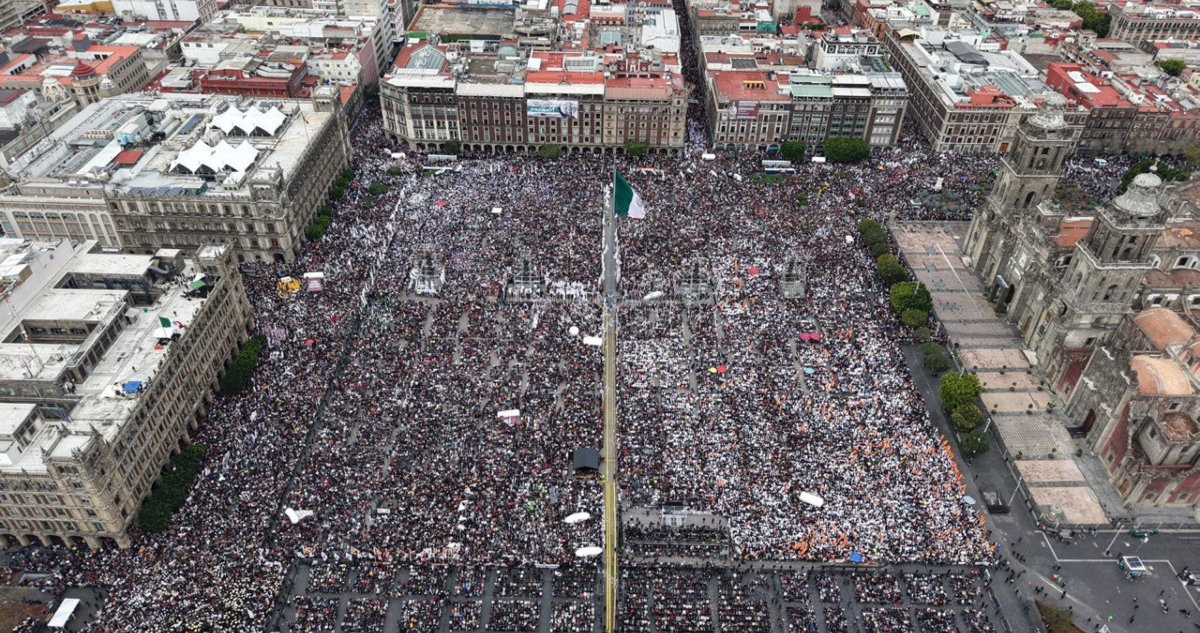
<point>132,386</point>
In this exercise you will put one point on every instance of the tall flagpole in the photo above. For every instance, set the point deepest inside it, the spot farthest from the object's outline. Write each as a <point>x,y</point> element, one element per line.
<point>610,410</point>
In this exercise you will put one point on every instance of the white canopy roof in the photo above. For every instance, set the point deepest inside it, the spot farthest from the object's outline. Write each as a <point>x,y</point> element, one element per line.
<point>64,613</point>
<point>249,122</point>
<point>216,159</point>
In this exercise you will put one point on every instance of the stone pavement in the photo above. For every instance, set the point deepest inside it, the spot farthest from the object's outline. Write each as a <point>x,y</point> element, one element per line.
<point>1017,401</point>
<point>800,598</point>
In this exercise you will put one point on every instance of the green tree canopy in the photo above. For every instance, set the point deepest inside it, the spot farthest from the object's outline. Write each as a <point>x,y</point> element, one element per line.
<point>636,148</point>
<point>935,359</point>
<point>1173,67</point>
<point>845,149</point>
<point>914,318</point>
<point>1192,153</point>
<point>451,147</point>
<point>1166,172</point>
<point>792,150</point>
<point>955,390</point>
<point>968,417</point>
<point>975,443</point>
<point>910,295</point>
<point>890,270</point>
<point>549,151</point>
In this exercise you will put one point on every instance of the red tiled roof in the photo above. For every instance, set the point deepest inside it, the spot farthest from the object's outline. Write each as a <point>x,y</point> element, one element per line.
<point>1071,231</point>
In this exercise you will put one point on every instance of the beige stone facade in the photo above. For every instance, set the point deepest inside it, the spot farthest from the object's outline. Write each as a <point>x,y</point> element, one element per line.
<point>157,183</point>
<point>96,392</point>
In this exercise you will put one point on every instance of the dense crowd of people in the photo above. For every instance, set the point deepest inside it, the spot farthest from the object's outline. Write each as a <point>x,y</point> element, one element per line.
<point>378,408</point>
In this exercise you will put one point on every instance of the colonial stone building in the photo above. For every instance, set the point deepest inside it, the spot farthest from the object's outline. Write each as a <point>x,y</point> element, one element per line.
<point>107,364</point>
<point>140,173</point>
<point>1137,402</point>
<point>1103,298</point>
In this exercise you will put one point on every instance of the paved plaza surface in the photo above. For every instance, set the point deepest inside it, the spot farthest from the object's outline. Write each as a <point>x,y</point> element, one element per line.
<point>1041,566</point>
<point>340,597</point>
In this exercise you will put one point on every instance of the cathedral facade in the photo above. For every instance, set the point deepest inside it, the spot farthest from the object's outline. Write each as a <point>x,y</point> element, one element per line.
<point>1106,300</point>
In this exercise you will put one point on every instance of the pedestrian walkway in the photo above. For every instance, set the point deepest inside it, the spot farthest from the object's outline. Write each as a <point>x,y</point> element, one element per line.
<point>1019,405</point>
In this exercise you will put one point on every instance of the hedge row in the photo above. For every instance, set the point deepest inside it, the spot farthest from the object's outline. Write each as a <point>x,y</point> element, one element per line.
<point>319,225</point>
<point>338,189</point>
<point>239,373</point>
<point>172,491</point>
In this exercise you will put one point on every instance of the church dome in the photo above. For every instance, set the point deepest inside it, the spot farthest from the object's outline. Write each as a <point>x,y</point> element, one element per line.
<point>1141,198</point>
<point>1049,115</point>
<point>82,70</point>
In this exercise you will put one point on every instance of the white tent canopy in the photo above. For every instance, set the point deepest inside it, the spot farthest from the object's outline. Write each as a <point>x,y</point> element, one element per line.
<point>215,159</point>
<point>250,122</point>
<point>64,613</point>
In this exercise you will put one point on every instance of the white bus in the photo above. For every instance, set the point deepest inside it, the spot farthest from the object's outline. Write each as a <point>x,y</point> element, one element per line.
<point>778,167</point>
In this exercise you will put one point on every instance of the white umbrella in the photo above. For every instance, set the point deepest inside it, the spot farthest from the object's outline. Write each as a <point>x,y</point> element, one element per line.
<point>574,331</point>
<point>578,517</point>
<point>589,551</point>
<point>653,295</point>
<point>811,499</point>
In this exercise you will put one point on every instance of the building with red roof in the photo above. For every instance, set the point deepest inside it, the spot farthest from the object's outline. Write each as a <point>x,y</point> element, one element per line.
<point>1124,114</point>
<point>85,73</point>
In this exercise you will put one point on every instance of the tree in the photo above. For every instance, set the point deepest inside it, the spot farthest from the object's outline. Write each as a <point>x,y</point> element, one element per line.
<point>872,232</point>
<point>243,365</point>
<point>974,443</point>
<point>956,390</point>
<point>172,490</point>
<point>844,149</point>
<point>792,150</point>
<point>1094,20</point>
<point>910,295</point>
<point>914,318</point>
<point>377,188</point>
<point>890,270</point>
<point>880,248</point>
<point>923,334</point>
<point>1192,153</point>
<point>1173,67</point>
<point>1062,4</point>
<point>1162,170</point>
<point>549,151</point>
<point>636,148</point>
<point>395,170</point>
<point>451,147</point>
<point>968,417</point>
<point>936,360</point>
<point>317,229</point>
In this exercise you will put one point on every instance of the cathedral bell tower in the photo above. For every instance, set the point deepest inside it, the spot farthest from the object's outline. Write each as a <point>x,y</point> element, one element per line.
<point>1108,265</point>
<point>1028,175</point>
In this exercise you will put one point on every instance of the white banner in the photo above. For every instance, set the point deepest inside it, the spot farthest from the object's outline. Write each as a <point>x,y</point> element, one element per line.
<point>551,109</point>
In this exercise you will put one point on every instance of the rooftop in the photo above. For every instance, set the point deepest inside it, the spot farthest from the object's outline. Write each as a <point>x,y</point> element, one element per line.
<point>464,20</point>
<point>1164,328</point>
<point>93,148</point>
<point>1160,377</point>
<point>109,390</point>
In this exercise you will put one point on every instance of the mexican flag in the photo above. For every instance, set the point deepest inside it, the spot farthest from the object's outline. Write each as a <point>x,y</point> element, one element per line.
<point>627,201</point>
